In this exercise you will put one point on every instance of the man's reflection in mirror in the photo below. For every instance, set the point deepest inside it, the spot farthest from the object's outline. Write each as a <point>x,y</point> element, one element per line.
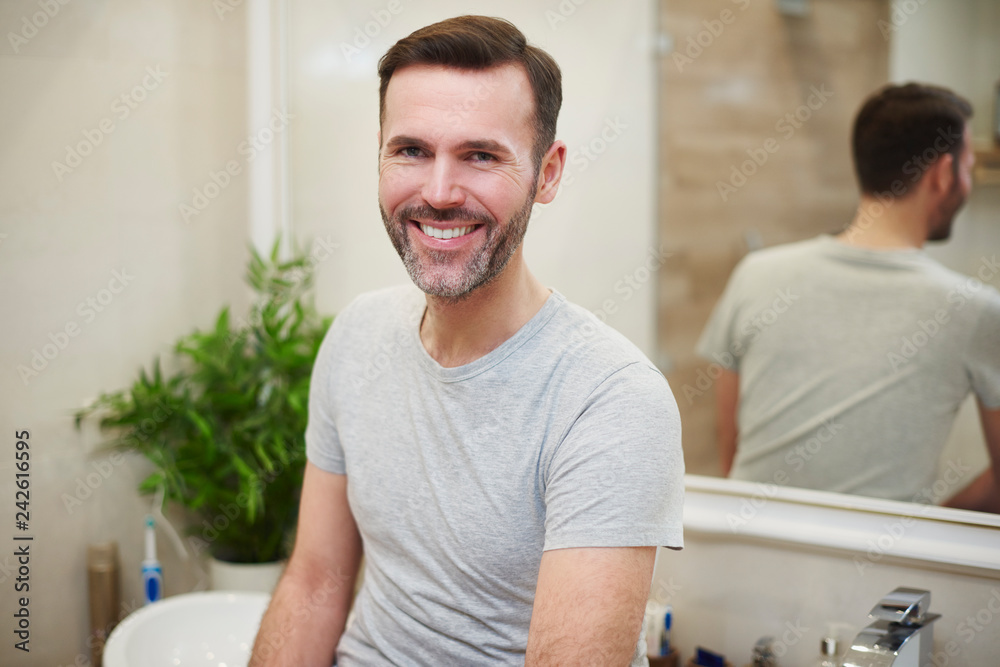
<point>847,357</point>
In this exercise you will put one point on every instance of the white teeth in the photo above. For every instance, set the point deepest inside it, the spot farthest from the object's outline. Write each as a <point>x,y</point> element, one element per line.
<point>445,233</point>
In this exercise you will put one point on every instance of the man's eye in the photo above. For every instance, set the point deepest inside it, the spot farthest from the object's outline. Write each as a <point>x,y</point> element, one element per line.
<point>482,157</point>
<point>410,151</point>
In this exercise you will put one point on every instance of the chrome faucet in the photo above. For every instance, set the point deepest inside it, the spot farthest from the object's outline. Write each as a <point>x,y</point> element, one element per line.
<point>901,634</point>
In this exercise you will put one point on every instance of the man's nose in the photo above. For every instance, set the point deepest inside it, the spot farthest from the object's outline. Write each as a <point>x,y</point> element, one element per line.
<point>442,188</point>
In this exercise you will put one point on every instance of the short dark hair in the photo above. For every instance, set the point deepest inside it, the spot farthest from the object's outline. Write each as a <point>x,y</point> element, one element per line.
<point>901,130</point>
<point>479,43</point>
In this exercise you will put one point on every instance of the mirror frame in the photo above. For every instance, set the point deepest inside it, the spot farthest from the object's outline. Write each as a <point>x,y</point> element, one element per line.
<point>870,529</point>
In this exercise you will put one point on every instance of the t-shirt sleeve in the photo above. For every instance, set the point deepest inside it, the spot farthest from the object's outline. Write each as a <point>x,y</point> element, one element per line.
<point>983,354</point>
<point>322,441</point>
<point>617,477</point>
<point>718,342</point>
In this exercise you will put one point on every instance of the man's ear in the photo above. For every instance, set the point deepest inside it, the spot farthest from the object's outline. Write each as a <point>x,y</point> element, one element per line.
<point>550,172</point>
<point>942,173</point>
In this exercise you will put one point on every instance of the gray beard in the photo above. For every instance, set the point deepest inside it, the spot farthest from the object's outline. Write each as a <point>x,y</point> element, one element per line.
<point>485,265</point>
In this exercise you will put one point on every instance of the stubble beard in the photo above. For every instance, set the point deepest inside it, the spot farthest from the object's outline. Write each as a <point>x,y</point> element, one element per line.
<point>947,211</point>
<point>486,263</point>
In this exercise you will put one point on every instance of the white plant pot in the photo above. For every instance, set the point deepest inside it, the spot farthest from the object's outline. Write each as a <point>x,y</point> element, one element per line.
<point>262,577</point>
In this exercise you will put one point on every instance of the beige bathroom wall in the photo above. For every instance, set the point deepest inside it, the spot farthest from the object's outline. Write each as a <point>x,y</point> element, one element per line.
<point>150,96</point>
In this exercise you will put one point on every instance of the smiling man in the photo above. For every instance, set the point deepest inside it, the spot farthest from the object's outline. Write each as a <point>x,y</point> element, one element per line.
<point>511,471</point>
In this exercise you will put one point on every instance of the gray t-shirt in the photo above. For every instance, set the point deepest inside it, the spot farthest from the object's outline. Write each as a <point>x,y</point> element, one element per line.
<point>853,363</point>
<point>458,478</point>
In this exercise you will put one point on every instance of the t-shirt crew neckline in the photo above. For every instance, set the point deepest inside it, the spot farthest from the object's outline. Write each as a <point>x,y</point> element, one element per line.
<point>905,256</point>
<point>492,358</point>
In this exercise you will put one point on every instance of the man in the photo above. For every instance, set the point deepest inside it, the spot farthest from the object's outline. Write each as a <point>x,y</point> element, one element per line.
<point>847,357</point>
<point>510,472</point>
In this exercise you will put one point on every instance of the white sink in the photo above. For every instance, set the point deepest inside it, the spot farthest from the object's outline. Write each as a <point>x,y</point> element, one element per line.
<point>213,628</point>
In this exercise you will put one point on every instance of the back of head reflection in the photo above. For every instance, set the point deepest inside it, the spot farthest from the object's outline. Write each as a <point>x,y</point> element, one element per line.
<point>847,357</point>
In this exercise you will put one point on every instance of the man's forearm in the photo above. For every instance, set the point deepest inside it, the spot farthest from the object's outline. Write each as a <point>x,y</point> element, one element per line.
<point>727,452</point>
<point>727,392</point>
<point>305,619</point>
<point>983,495</point>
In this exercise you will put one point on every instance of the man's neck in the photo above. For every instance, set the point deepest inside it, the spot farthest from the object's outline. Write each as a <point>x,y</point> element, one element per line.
<point>456,333</point>
<point>886,225</point>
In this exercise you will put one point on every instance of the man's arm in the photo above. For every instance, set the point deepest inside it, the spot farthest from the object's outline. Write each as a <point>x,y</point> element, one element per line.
<point>983,494</point>
<point>589,606</point>
<point>727,399</point>
<point>306,617</point>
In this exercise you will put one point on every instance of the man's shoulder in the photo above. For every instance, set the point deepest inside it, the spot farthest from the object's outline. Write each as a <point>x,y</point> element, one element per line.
<point>793,253</point>
<point>977,282</point>
<point>817,257</point>
<point>578,336</point>
<point>373,316</point>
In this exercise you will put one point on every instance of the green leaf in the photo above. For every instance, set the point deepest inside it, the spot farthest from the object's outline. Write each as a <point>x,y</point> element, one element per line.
<point>153,482</point>
<point>265,460</point>
<point>245,471</point>
<point>280,451</point>
<point>202,425</point>
<point>200,498</point>
<point>222,323</point>
<point>274,250</point>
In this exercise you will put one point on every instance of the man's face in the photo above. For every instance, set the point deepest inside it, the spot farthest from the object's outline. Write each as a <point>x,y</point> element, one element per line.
<point>961,186</point>
<point>456,182</point>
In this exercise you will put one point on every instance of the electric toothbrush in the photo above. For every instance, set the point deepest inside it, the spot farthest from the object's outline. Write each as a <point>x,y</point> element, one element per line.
<point>152,574</point>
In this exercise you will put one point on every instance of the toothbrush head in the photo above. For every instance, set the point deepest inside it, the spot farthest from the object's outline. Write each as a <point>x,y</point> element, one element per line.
<point>149,521</point>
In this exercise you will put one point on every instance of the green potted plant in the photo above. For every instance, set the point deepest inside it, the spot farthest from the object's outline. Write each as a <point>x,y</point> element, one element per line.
<point>225,430</point>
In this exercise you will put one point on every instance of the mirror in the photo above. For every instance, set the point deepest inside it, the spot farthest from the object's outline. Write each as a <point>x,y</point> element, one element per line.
<point>738,75</point>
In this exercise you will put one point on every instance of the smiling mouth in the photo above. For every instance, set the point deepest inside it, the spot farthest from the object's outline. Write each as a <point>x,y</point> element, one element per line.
<point>453,233</point>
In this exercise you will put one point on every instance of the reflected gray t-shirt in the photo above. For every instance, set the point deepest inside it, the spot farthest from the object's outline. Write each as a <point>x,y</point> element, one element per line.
<point>458,478</point>
<point>853,363</point>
